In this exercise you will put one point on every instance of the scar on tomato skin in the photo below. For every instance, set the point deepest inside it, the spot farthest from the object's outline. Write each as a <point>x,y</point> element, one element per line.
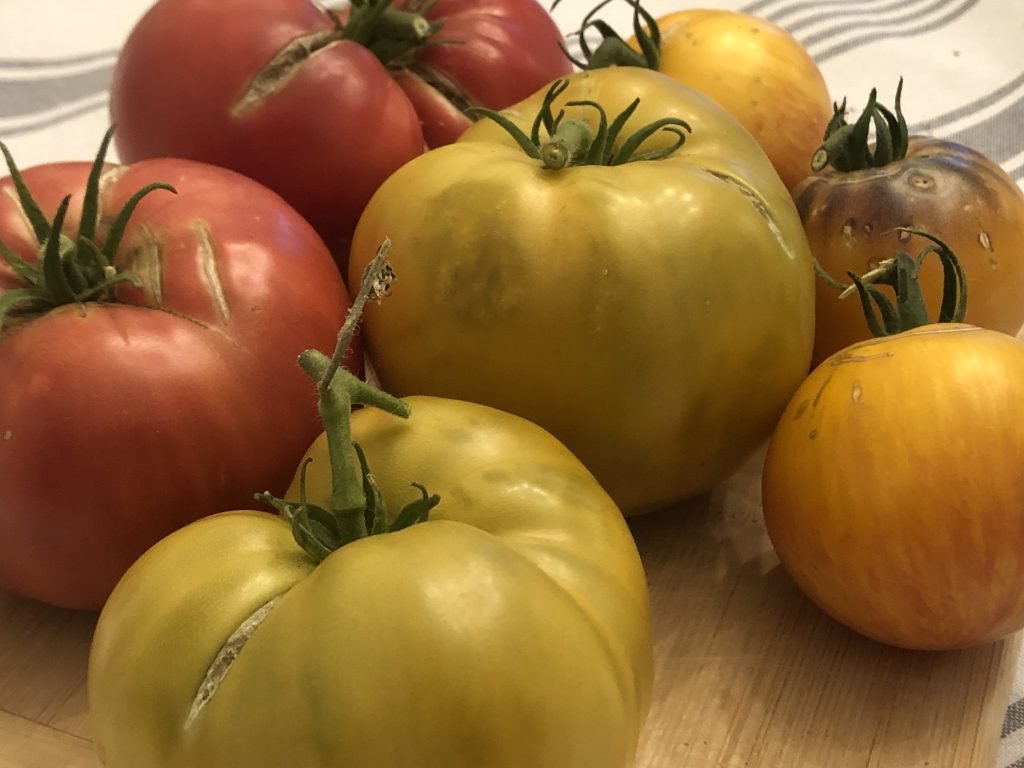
<point>12,193</point>
<point>211,274</point>
<point>146,260</point>
<point>226,657</point>
<point>281,68</point>
<point>801,409</point>
<point>108,178</point>
<point>848,356</point>
<point>821,391</point>
<point>760,206</point>
<point>857,392</point>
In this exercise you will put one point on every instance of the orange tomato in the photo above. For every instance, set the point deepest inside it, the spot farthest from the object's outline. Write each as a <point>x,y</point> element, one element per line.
<point>893,490</point>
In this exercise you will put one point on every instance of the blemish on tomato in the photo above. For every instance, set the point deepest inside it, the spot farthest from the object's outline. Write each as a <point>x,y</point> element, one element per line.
<point>801,409</point>
<point>8,434</point>
<point>858,391</point>
<point>920,181</point>
<point>986,241</point>
<point>812,434</point>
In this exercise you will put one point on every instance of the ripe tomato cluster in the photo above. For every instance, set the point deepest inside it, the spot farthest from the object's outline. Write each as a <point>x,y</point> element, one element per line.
<point>585,289</point>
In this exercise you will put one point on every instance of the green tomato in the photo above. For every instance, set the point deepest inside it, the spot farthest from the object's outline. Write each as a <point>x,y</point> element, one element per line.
<point>655,315</point>
<point>509,630</point>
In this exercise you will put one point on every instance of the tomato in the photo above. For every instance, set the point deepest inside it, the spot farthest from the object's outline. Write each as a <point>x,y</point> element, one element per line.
<point>892,487</point>
<point>851,215</point>
<point>319,108</point>
<point>509,628</point>
<point>751,66</point>
<point>654,315</point>
<point>131,413</point>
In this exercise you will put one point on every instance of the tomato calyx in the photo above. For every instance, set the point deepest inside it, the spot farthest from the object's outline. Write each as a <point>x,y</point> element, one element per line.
<point>357,509</point>
<point>613,51</point>
<point>68,270</point>
<point>901,275</point>
<point>846,146</point>
<point>388,33</point>
<point>575,142</point>
<point>391,35</point>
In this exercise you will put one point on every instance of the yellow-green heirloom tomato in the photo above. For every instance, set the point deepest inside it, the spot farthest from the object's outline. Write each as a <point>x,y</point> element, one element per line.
<point>509,629</point>
<point>652,306</point>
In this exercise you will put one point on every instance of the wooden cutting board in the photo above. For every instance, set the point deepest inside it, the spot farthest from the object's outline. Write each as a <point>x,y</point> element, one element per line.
<point>749,673</point>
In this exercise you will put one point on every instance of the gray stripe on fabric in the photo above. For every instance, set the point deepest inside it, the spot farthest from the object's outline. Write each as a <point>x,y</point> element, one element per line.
<point>58,61</point>
<point>63,117</point>
<point>887,23</point>
<point>1014,719</point>
<point>883,34</point>
<point>23,97</point>
<point>998,137</point>
<point>876,15</point>
<point>970,108</point>
<point>788,8</point>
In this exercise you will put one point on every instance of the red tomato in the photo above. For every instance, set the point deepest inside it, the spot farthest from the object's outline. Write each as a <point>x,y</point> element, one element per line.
<point>123,419</point>
<point>274,89</point>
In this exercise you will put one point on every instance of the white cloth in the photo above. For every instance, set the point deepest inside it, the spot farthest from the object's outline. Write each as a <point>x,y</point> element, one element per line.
<point>963,61</point>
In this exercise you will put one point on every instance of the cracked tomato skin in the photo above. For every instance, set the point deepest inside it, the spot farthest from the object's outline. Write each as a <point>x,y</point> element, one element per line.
<point>654,316</point>
<point>342,122</point>
<point>121,421</point>
<point>509,630</point>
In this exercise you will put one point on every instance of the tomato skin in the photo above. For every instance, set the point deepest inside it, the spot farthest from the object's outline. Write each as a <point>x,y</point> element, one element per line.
<point>340,124</point>
<point>759,72</point>
<point>513,49</point>
<point>892,487</point>
<point>123,421</point>
<point>509,630</point>
<point>942,187</point>
<point>631,310</point>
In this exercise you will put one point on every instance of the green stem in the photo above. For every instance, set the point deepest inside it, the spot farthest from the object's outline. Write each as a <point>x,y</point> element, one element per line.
<point>847,147</point>
<point>612,50</point>
<point>574,142</point>
<point>901,274</point>
<point>568,145</point>
<point>68,270</point>
<point>388,32</point>
<point>355,509</point>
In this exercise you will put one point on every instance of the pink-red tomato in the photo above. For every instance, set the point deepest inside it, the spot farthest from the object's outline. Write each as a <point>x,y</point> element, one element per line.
<point>123,419</point>
<point>304,102</point>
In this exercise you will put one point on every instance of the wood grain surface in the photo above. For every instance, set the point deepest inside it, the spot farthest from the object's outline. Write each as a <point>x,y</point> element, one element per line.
<point>749,673</point>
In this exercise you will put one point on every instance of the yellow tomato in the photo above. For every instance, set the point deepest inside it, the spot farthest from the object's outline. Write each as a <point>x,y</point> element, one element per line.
<point>653,315</point>
<point>510,630</point>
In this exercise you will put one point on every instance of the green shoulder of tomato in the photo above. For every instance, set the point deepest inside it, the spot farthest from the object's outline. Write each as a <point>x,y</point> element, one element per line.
<point>614,259</point>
